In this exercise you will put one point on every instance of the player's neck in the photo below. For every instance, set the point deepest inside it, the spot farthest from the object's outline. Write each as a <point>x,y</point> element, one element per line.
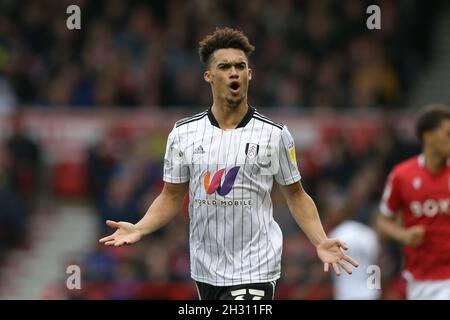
<point>228,116</point>
<point>433,162</point>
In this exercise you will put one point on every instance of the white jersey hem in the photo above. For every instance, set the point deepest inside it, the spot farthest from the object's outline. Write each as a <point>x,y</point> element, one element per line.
<point>234,283</point>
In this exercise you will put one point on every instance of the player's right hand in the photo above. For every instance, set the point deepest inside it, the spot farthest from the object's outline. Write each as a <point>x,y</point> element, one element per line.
<point>413,236</point>
<point>126,233</point>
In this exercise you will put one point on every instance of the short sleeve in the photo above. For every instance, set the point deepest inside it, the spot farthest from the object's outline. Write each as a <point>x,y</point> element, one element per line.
<point>288,172</point>
<point>391,201</point>
<point>176,169</point>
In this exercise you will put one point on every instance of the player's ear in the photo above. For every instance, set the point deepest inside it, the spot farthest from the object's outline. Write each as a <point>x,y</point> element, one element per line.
<point>250,74</point>
<point>207,76</point>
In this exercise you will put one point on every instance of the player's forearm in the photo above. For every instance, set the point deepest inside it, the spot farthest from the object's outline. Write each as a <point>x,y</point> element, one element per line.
<point>390,228</point>
<point>305,213</point>
<point>162,210</point>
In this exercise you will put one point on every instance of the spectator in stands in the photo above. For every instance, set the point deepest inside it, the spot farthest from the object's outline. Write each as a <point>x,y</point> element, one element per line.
<point>122,61</point>
<point>25,161</point>
<point>12,209</point>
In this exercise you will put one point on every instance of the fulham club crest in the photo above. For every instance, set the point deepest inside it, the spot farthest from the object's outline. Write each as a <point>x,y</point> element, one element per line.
<point>251,150</point>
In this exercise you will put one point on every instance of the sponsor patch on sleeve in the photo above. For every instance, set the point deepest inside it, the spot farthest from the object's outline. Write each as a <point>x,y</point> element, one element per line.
<point>292,155</point>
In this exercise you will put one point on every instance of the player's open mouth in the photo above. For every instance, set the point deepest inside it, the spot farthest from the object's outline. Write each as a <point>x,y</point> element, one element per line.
<point>235,86</point>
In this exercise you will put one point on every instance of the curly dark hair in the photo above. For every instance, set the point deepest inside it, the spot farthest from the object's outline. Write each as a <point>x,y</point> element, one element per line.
<point>430,118</point>
<point>223,38</point>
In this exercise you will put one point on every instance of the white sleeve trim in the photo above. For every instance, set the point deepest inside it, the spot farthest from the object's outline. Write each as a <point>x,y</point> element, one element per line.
<point>290,180</point>
<point>386,211</point>
<point>170,179</point>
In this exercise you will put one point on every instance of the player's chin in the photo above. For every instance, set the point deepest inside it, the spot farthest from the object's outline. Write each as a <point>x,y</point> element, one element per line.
<point>238,96</point>
<point>234,101</point>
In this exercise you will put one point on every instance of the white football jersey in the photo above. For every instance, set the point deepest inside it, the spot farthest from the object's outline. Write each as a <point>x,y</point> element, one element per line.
<point>364,248</point>
<point>233,236</point>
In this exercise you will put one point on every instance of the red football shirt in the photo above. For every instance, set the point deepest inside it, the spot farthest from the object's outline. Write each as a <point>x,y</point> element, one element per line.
<point>423,198</point>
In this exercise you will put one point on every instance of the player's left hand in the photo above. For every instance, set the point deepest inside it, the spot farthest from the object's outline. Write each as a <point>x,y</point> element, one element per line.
<point>330,252</point>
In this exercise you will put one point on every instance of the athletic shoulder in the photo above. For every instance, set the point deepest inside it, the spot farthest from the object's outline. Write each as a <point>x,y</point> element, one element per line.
<point>195,117</point>
<point>260,117</point>
<point>407,166</point>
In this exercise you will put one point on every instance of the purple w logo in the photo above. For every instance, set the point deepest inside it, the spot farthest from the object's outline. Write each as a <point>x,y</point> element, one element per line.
<point>212,186</point>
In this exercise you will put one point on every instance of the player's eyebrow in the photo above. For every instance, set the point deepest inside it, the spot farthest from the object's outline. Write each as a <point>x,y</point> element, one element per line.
<point>228,63</point>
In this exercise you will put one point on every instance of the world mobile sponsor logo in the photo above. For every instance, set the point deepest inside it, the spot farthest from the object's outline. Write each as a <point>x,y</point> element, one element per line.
<point>213,185</point>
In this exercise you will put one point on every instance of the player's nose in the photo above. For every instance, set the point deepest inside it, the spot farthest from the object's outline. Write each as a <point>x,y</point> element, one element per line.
<point>233,73</point>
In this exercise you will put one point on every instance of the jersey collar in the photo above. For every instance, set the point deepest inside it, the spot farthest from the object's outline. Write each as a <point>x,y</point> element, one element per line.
<point>421,160</point>
<point>246,119</point>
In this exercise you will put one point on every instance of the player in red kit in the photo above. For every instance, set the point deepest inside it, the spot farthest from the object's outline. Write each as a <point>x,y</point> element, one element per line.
<point>419,190</point>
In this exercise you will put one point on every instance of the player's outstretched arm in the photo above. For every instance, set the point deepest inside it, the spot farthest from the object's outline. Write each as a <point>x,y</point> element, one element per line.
<point>162,210</point>
<point>412,236</point>
<point>304,211</point>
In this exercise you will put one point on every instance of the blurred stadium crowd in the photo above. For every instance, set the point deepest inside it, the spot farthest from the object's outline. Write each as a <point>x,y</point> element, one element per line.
<point>309,55</point>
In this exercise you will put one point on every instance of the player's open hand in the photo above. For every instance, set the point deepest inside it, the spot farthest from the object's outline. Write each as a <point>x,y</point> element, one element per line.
<point>126,233</point>
<point>413,236</point>
<point>330,252</point>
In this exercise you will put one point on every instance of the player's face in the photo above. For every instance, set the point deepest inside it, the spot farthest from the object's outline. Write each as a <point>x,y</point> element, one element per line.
<point>229,75</point>
<point>440,138</point>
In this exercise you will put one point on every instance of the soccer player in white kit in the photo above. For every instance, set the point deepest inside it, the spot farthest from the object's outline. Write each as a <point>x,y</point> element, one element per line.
<point>364,283</point>
<point>227,158</point>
